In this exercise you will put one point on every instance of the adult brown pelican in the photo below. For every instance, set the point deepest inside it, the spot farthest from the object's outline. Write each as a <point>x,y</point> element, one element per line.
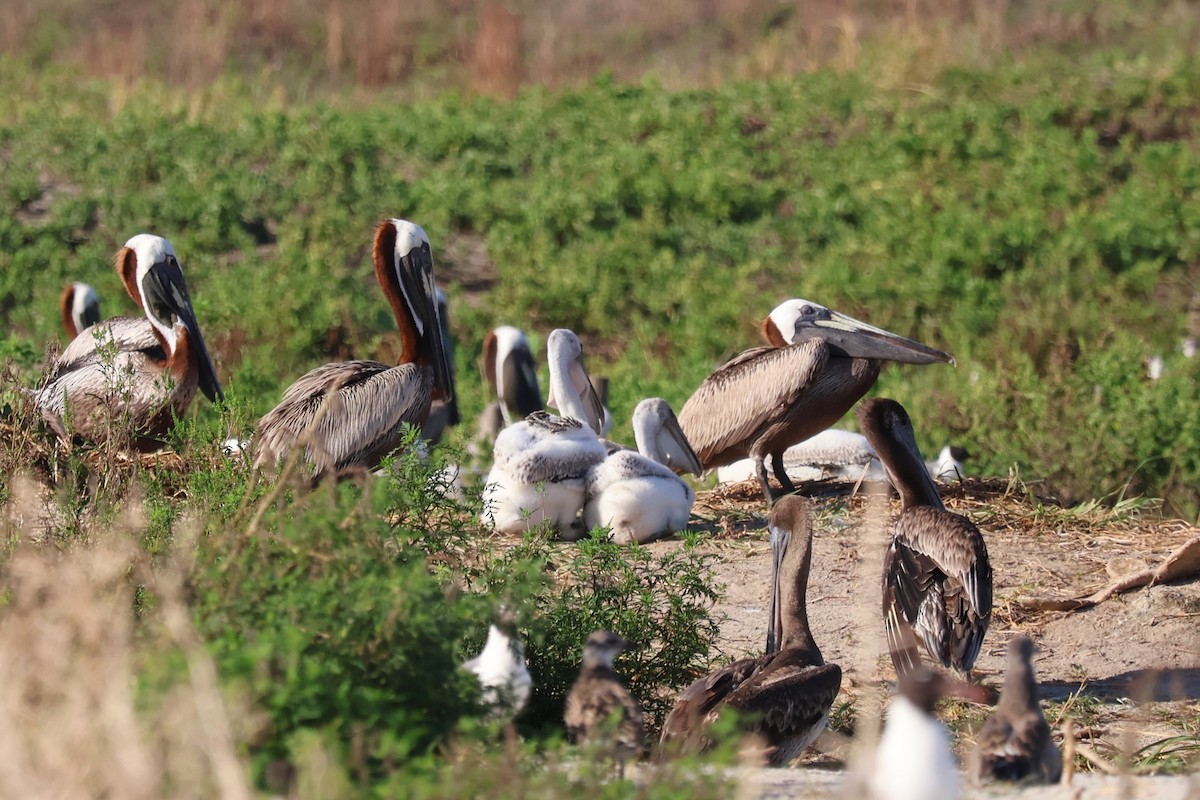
<point>510,371</point>
<point>638,495</point>
<point>787,693</point>
<point>541,463</point>
<point>765,399</point>
<point>372,402</point>
<point>133,377</point>
<point>937,580</point>
<point>80,307</point>
<point>599,709</point>
<point>1014,744</point>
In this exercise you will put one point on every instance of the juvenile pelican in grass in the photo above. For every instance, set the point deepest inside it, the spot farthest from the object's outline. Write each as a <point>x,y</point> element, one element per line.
<point>764,400</point>
<point>786,694</point>
<point>133,377</point>
<point>369,403</point>
<point>937,580</point>
<point>504,679</point>
<point>541,464</point>
<point>510,371</point>
<point>599,709</point>
<point>80,307</point>
<point>638,494</point>
<point>1014,744</point>
<point>914,760</point>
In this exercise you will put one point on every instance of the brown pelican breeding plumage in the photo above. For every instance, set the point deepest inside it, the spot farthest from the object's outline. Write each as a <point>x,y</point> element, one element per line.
<point>541,463</point>
<point>937,580</point>
<point>599,709</point>
<point>785,694</point>
<point>80,306</point>
<point>510,371</point>
<point>638,495</point>
<point>371,402</point>
<point>765,399</point>
<point>1014,744</point>
<point>133,377</point>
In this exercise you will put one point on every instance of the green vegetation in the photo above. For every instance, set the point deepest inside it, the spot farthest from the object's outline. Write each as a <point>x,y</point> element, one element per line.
<point>1039,219</point>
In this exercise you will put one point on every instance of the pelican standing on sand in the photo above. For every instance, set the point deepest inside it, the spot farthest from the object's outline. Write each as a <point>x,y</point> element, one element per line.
<point>637,494</point>
<point>937,580</point>
<point>135,375</point>
<point>541,464</point>
<point>373,402</point>
<point>765,399</point>
<point>80,307</point>
<point>1014,744</point>
<point>787,693</point>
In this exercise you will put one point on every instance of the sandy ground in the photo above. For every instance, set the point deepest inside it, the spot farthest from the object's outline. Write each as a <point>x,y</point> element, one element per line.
<point>1127,669</point>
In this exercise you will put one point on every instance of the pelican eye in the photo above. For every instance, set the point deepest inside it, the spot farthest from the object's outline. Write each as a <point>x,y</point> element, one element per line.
<point>808,310</point>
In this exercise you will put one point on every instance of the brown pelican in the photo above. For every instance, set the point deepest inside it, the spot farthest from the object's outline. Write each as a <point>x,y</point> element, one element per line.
<point>1014,744</point>
<point>937,581</point>
<point>766,399</point>
<point>599,708</point>
<point>80,308</point>
<point>509,369</point>
<point>140,373</point>
<point>541,464</point>
<point>442,413</point>
<point>365,420</point>
<point>787,693</point>
<point>914,760</point>
<point>503,677</point>
<point>637,494</point>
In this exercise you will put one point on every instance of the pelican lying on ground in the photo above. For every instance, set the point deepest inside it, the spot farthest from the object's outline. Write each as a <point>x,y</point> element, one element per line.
<point>637,494</point>
<point>787,693</point>
<point>503,676</point>
<point>599,708</point>
<point>914,760</point>
<point>1014,744</point>
<point>371,402</point>
<point>509,369</point>
<point>937,581</point>
<point>766,399</point>
<point>443,414</point>
<point>541,464</point>
<point>132,376</point>
<point>80,308</point>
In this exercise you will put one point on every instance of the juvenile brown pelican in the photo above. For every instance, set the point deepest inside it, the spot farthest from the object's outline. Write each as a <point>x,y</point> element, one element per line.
<point>914,760</point>
<point>509,369</point>
<point>80,308</point>
<point>787,693</point>
<point>503,677</point>
<point>766,399</point>
<point>443,414</point>
<point>132,374</point>
<point>365,420</point>
<point>937,581</point>
<point>637,494</point>
<point>599,708</point>
<point>541,464</point>
<point>1014,744</point>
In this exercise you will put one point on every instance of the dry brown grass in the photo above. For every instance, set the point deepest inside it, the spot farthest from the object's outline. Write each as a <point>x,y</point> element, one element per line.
<point>495,46</point>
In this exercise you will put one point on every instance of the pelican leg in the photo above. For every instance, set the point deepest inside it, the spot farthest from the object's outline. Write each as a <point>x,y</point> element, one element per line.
<point>760,466</point>
<point>781,474</point>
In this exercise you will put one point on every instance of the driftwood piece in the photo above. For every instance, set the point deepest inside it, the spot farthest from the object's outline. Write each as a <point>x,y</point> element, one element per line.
<point>1182,564</point>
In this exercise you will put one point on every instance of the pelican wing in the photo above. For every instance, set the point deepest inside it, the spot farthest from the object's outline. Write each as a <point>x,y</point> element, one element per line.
<point>938,580</point>
<point>364,420</point>
<point>738,402</point>
<point>789,697</point>
<point>547,448</point>
<point>696,705</point>
<point>126,335</point>
<point>590,704</point>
